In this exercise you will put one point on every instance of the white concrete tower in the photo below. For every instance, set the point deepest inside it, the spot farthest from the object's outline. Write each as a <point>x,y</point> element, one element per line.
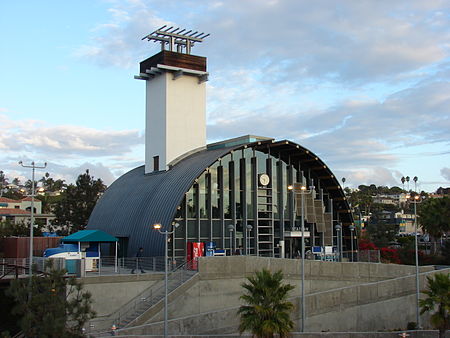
<point>175,99</point>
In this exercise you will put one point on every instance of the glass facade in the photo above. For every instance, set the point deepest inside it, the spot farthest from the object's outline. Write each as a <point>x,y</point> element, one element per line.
<point>231,205</point>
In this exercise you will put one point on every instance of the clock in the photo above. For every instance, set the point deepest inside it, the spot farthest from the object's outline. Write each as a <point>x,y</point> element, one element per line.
<point>264,179</point>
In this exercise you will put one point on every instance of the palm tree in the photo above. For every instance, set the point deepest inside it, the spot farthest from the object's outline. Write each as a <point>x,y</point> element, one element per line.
<point>438,293</point>
<point>267,310</point>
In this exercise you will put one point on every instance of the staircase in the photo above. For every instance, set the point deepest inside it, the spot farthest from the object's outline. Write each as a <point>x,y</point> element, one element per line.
<point>130,313</point>
<point>265,222</point>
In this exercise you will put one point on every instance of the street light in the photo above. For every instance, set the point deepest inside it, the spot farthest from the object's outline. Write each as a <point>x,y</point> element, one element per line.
<point>249,230</point>
<point>338,228</point>
<point>302,191</point>
<point>416,198</point>
<point>231,229</point>
<point>158,227</point>
<point>352,228</point>
<point>33,167</point>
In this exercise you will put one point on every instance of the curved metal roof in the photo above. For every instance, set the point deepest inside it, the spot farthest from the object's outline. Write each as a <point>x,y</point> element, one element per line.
<point>136,201</point>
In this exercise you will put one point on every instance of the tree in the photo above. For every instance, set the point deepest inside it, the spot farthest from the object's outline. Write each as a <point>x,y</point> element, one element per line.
<point>445,251</point>
<point>434,216</point>
<point>381,233</point>
<point>58,306</point>
<point>73,209</point>
<point>49,184</point>
<point>10,190</point>
<point>438,295</point>
<point>22,229</point>
<point>267,310</point>
<point>3,182</point>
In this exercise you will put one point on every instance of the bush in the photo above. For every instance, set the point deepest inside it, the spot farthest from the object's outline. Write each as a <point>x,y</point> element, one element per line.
<point>365,244</point>
<point>389,255</point>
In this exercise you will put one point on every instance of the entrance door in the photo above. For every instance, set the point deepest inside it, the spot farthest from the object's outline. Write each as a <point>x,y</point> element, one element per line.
<point>123,247</point>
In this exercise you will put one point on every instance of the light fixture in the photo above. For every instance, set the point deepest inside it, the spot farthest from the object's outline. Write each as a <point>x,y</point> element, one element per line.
<point>158,226</point>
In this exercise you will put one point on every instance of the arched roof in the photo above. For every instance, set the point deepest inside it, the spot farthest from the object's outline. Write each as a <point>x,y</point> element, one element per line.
<point>136,201</point>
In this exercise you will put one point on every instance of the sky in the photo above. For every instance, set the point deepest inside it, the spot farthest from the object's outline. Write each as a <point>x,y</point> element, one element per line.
<point>362,84</point>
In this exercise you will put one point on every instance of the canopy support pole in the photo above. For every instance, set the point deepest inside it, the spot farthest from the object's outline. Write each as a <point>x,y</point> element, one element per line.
<point>115,260</point>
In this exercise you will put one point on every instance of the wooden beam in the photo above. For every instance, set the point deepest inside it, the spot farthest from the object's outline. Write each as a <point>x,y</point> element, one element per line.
<point>327,177</point>
<point>322,167</point>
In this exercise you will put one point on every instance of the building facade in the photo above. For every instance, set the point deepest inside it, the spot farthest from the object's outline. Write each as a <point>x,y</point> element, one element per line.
<point>19,211</point>
<point>244,194</point>
<point>235,194</point>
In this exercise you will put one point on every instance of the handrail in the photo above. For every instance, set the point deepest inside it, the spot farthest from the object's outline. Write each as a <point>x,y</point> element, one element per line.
<point>148,297</point>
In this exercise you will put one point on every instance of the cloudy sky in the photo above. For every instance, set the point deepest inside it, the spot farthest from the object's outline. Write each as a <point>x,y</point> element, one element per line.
<point>363,84</point>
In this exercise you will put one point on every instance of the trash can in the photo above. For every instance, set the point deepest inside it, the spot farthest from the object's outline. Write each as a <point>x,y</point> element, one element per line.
<point>81,267</point>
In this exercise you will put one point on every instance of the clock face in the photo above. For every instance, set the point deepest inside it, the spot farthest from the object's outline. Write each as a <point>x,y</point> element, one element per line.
<point>264,179</point>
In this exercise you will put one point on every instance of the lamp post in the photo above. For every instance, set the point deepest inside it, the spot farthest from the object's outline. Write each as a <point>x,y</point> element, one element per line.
<point>231,229</point>
<point>416,244</point>
<point>338,228</point>
<point>352,228</point>
<point>33,167</point>
<point>249,230</point>
<point>158,226</point>
<point>302,191</point>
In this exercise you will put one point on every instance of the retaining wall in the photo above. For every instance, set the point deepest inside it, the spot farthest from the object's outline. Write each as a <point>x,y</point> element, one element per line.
<point>361,296</point>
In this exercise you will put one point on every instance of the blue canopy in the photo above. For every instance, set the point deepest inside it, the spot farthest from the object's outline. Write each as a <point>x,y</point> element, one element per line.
<point>89,236</point>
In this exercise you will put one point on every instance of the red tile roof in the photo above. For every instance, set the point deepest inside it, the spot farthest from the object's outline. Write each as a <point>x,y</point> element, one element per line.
<point>29,199</point>
<point>8,200</point>
<point>13,211</point>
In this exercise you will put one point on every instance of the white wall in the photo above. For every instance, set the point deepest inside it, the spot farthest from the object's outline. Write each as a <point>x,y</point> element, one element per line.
<point>175,118</point>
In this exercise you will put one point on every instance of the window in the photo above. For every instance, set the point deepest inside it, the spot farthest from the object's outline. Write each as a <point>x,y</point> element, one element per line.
<point>156,163</point>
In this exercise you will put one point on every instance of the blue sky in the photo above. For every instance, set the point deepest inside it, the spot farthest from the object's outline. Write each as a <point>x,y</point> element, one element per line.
<point>363,84</point>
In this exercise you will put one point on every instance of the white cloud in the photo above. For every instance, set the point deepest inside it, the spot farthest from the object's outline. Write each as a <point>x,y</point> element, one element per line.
<point>68,171</point>
<point>379,176</point>
<point>355,82</point>
<point>348,41</point>
<point>445,173</point>
<point>28,136</point>
<point>362,134</point>
<point>118,42</point>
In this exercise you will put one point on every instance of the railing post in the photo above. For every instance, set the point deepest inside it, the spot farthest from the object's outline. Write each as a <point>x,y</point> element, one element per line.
<point>154,261</point>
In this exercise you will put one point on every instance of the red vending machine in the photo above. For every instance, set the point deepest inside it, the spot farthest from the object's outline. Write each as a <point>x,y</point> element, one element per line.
<point>194,250</point>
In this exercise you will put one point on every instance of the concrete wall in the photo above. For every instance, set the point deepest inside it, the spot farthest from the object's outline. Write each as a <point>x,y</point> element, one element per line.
<point>340,296</point>
<point>395,334</point>
<point>109,293</point>
<point>243,266</point>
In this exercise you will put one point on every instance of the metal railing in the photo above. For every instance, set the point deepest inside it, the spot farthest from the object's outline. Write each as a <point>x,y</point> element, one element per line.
<point>126,265</point>
<point>368,256</point>
<point>140,304</point>
<point>104,266</point>
<point>19,267</point>
<point>13,267</point>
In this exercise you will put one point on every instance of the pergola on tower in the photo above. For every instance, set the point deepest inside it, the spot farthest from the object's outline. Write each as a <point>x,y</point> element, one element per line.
<point>175,97</point>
